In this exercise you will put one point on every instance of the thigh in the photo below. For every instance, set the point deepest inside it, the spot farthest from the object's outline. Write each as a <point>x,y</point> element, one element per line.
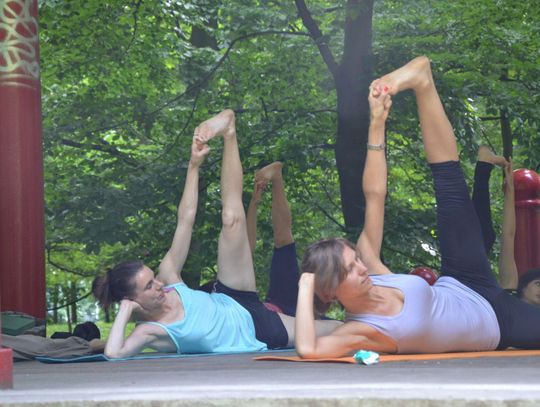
<point>235,264</point>
<point>461,242</point>
<point>519,322</point>
<point>269,327</point>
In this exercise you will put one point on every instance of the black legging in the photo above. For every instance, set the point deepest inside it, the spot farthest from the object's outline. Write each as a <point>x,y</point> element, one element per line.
<point>464,258</point>
<point>284,276</point>
<point>482,203</point>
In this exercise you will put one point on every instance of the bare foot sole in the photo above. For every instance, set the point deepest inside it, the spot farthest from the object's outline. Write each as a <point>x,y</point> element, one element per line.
<point>223,124</point>
<point>416,74</point>
<point>269,172</point>
<point>486,155</point>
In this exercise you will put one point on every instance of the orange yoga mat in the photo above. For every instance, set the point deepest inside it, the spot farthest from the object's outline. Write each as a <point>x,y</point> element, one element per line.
<point>405,358</point>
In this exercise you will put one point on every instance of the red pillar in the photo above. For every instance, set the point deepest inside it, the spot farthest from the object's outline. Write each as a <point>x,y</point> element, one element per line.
<point>527,240</point>
<point>22,234</point>
<point>6,367</point>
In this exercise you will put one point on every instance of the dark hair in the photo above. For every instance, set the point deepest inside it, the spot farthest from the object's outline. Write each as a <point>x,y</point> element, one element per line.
<point>117,283</point>
<point>325,259</point>
<point>87,330</point>
<point>525,279</point>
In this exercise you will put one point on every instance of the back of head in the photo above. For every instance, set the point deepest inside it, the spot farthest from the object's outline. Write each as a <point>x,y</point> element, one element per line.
<point>117,283</point>
<point>525,279</point>
<point>325,259</point>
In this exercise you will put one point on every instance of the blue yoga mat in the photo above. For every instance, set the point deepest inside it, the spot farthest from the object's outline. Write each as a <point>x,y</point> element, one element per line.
<point>100,357</point>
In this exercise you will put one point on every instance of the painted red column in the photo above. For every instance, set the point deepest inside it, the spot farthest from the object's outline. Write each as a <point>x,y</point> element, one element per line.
<point>22,234</point>
<point>527,240</point>
<point>6,367</point>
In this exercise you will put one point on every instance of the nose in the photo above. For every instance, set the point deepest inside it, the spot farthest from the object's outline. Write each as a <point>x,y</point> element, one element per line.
<point>362,267</point>
<point>159,285</point>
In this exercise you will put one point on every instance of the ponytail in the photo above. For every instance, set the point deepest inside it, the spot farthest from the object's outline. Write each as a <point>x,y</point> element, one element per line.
<point>117,283</point>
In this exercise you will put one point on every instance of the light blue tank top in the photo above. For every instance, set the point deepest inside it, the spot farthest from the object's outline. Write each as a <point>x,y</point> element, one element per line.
<point>212,323</point>
<point>445,317</point>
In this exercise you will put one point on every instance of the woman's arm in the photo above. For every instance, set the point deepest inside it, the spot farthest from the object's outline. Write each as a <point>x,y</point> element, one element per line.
<point>508,274</point>
<point>374,184</point>
<point>119,347</point>
<point>344,340</point>
<point>171,266</point>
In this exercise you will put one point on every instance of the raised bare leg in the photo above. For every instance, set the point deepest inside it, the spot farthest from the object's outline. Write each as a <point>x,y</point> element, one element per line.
<point>251,217</point>
<point>438,135</point>
<point>235,264</point>
<point>281,212</point>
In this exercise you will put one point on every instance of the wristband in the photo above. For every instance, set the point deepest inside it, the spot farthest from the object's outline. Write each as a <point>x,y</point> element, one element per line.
<point>376,147</point>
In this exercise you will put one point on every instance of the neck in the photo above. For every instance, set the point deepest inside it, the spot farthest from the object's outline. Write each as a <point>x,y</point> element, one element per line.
<point>155,314</point>
<point>364,304</point>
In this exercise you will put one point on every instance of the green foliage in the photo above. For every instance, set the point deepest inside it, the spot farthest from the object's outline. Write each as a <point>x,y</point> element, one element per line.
<point>124,86</point>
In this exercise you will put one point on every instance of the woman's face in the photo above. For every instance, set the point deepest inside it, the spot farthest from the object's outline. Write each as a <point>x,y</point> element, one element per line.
<point>148,292</point>
<point>531,293</point>
<point>357,282</point>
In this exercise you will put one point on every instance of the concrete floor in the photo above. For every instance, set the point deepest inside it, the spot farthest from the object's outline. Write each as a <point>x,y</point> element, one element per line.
<point>238,380</point>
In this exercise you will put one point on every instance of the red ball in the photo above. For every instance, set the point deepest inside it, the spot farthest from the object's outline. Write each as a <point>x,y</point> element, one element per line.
<point>426,273</point>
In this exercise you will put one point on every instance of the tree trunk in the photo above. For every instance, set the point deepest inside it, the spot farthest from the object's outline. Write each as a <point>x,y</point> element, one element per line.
<point>352,82</point>
<point>506,134</point>
<point>55,295</point>
<point>73,305</point>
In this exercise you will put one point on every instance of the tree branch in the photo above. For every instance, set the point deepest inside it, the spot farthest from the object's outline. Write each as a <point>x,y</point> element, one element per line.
<point>317,36</point>
<point>70,303</point>
<point>65,269</point>
<point>105,149</point>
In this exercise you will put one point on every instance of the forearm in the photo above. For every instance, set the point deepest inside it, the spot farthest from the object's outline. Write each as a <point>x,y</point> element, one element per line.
<point>116,339</point>
<point>187,209</point>
<point>305,332</point>
<point>251,223</point>
<point>375,176</point>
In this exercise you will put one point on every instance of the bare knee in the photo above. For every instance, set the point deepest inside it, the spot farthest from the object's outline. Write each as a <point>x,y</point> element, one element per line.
<point>233,219</point>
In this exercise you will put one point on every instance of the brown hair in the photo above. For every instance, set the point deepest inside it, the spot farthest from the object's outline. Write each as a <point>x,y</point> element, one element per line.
<point>325,259</point>
<point>525,280</point>
<point>117,283</point>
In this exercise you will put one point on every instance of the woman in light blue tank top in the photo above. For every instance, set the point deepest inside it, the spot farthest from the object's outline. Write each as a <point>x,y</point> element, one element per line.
<point>174,318</point>
<point>466,309</point>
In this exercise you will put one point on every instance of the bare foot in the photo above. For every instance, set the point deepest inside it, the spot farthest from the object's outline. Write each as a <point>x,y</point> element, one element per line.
<point>269,173</point>
<point>486,155</point>
<point>223,124</point>
<point>416,74</point>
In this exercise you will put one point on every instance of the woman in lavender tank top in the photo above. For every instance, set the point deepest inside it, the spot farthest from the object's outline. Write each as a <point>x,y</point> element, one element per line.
<point>394,313</point>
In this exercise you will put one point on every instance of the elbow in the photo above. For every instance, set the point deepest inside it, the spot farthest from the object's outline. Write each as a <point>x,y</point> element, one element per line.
<point>375,193</point>
<point>306,352</point>
<point>111,354</point>
<point>116,354</point>
<point>187,216</point>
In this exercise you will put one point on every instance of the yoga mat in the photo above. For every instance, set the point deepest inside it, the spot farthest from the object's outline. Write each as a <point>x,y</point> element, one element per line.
<point>100,357</point>
<point>407,358</point>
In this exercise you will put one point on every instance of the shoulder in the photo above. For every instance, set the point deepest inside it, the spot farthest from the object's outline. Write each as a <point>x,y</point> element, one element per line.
<point>149,331</point>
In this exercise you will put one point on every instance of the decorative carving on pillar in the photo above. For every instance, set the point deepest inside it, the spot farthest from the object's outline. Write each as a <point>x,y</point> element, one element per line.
<point>19,56</point>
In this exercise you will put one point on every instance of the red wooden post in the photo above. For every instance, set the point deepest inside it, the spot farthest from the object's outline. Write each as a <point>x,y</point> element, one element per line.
<point>6,366</point>
<point>527,240</point>
<point>22,234</point>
